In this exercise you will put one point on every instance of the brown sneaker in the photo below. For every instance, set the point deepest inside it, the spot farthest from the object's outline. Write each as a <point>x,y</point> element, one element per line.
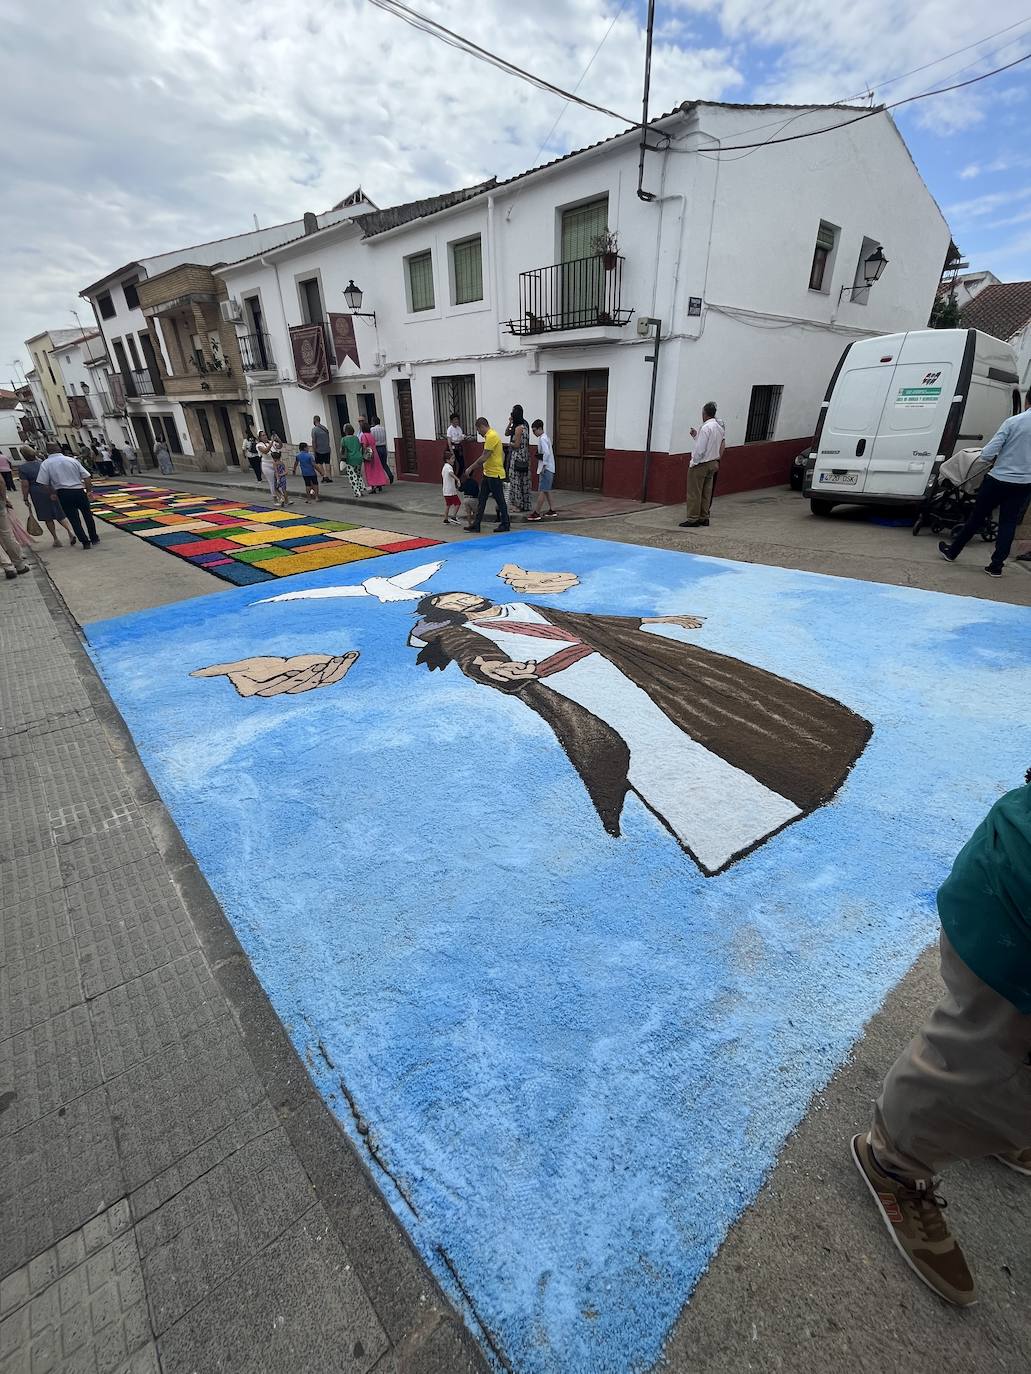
<point>1017,1160</point>
<point>913,1215</point>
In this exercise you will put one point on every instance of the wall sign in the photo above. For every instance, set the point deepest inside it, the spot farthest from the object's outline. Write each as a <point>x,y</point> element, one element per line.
<point>309,348</point>
<point>694,305</point>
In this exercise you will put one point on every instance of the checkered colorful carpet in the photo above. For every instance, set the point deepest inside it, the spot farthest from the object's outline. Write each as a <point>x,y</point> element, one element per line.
<point>240,542</point>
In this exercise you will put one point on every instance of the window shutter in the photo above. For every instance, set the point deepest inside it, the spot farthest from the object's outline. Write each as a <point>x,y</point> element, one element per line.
<point>581,226</point>
<point>825,236</point>
<point>420,281</point>
<point>468,268</point>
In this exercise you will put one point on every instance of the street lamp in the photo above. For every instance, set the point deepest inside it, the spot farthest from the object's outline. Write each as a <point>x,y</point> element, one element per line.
<point>873,267</point>
<point>353,296</point>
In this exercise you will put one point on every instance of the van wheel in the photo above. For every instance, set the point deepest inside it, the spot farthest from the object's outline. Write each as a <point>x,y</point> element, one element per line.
<point>820,507</point>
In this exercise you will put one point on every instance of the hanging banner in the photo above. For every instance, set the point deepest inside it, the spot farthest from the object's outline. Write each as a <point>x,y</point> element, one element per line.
<point>310,362</point>
<point>344,342</point>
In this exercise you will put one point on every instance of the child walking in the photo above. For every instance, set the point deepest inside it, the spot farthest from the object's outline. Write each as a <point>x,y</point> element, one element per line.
<point>545,472</point>
<point>279,469</point>
<point>471,491</point>
<point>449,485</point>
<point>305,460</point>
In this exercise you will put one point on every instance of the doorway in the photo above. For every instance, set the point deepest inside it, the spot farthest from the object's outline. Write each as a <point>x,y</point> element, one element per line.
<point>227,430</point>
<point>343,416</point>
<point>271,413</point>
<point>367,406</point>
<point>406,418</point>
<point>144,441</point>
<point>581,409</point>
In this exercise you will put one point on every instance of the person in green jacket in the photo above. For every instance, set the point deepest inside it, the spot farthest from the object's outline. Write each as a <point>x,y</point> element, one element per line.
<point>962,1089</point>
<point>351,460</point>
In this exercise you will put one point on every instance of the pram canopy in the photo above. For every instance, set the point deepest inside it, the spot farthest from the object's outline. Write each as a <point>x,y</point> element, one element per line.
<point>965,469</point>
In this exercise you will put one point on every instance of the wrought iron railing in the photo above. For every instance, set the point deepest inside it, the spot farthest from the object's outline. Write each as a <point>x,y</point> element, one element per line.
<point>143,383</point>
<point>581,294</point>
<point>256,353</point>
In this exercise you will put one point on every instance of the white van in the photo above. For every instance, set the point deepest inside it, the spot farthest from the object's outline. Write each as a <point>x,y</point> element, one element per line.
<point>898,405</point>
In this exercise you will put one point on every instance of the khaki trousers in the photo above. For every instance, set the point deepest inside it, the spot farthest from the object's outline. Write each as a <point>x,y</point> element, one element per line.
<point>10,545</point>
<point>962,1089</point>
<point>700,481</point>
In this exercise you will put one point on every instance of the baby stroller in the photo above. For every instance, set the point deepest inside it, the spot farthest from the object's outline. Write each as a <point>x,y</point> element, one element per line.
<point>950,501</point>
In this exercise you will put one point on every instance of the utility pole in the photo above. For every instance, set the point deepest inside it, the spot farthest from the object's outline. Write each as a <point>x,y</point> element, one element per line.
<point>642,194</point>
<point>652,358</point>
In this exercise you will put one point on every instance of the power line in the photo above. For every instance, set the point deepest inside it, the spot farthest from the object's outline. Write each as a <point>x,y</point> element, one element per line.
<point>455,40</point>
<point>879,109</point>
<point>891,80</point>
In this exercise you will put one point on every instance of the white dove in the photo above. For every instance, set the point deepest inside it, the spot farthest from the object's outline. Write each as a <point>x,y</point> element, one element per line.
<point>397,588</point>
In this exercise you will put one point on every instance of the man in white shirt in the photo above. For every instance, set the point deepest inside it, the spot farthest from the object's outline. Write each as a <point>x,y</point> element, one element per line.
<point>72,484</point>
<point>545,472</point>
<point>705,463</point>
<point>1007,486</point>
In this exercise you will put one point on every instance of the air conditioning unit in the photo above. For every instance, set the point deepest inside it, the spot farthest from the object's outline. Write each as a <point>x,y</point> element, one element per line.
<point>232,311</point>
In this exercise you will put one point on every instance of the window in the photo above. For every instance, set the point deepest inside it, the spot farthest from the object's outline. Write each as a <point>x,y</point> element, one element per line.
<point>130,343</point>
<point>466,271</point>
<point>205,430</point>
<point>581,225</point>
<point>272,418</point>
<point>105,305</point>
<point>46,359</point>
<point>762,413</point>
<point>311,300</point>
<point>129,291</point>
<point>419,273</point>
<point>819,274</point>
<point>451,394</point>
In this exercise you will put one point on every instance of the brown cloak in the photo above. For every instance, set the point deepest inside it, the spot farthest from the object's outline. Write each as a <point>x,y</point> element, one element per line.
<point>793,740</point>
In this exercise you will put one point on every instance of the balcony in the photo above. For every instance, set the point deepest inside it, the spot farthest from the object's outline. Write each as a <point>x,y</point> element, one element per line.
<point>583,295</point>
<point>256,353</point>
<point>144,383</point>
<point>107,404</point>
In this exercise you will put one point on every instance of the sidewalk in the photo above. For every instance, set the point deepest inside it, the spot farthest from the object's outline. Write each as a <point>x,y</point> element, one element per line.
<point>174,1193</point>
<point>414,498</point>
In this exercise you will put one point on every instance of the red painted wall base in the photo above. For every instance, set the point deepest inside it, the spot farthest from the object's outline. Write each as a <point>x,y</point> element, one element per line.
<point>745,467</point>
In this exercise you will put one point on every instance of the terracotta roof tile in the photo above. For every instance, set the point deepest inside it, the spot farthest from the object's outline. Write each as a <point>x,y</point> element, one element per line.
<point>1001,310</point>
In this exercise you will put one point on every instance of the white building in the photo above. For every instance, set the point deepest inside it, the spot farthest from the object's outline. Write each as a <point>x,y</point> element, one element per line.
<point>966,285</point>
<point>140,361</point>
<point>39,399</point>
<point>494,295</point>
<point>85,374</point>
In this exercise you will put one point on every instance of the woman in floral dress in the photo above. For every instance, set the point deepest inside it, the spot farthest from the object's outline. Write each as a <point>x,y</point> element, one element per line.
<point>519,496</point>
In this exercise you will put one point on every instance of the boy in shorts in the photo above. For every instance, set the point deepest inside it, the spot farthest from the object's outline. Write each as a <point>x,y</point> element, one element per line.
<point>449,486</point>
<point>545,472</point>
<point>305,460</point>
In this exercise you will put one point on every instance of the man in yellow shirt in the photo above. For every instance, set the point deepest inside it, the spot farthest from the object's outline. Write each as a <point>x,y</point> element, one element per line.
<point>492,460</point>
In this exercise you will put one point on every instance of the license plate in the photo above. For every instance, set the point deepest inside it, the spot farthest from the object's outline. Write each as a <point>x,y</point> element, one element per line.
<point>841,479</point>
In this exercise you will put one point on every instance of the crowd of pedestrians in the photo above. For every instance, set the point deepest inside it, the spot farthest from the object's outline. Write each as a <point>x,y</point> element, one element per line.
<point>55,491</point>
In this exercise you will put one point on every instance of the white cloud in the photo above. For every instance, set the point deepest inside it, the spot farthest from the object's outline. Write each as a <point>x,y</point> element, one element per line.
<point>132,127</point>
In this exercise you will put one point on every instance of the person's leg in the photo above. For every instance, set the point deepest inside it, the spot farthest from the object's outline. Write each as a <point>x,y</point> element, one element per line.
<point>10,545</point>
<point>962,1088</point>
<point>705,496</point>
<point>987,499</point>
<point>82,501</point>
<point>695,482</point>
<point>74,515</point>
<point>1012,507</point>
<point>9,480</point>
<point>52,530</point>
<point>481,504</point>
<point>498,492</point>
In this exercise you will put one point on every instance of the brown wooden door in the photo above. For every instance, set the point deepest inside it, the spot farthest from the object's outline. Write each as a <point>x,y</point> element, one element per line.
<point>406,417</point>
<point>581,407</point>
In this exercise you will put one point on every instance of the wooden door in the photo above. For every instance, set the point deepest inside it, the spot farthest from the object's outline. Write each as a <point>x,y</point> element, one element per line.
<point>406,418</point>
<point>581,406</point>
<point>227,430</point>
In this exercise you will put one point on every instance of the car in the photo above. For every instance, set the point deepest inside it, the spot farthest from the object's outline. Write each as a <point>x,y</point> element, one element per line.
<point>798,468</point>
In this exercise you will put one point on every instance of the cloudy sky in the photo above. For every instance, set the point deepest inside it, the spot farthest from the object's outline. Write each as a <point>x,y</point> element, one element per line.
<point>133,127</point>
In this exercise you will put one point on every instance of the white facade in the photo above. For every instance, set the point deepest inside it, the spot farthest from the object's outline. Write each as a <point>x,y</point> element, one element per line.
<point>40,400</point>
<point>123,325</point>
<point>971,284</point>
<point>723,256</point>
<point>10,436</point>
<point>83,371</point>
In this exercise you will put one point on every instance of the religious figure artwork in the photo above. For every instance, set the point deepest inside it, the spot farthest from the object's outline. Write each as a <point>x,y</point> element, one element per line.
<point>724,754</point>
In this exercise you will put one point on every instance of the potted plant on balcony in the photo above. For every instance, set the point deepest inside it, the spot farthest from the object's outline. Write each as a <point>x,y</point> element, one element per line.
<point>606,247</point>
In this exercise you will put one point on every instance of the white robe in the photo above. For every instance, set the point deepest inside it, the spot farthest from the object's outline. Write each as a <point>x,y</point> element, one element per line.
<point>715,810</point>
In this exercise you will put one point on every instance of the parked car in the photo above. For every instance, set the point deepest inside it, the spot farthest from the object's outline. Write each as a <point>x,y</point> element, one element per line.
<point>898,406</point>
<point>798,467</point>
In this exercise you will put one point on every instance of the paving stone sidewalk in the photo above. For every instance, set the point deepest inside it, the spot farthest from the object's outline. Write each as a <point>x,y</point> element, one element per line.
<point>174,1195</point>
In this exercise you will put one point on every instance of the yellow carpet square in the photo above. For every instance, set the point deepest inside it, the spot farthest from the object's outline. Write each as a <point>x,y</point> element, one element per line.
<point>317,558</point>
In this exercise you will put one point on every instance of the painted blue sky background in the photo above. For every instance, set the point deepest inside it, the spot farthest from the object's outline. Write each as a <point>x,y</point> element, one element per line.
<point>577,1054</point>
<point>179,123</point>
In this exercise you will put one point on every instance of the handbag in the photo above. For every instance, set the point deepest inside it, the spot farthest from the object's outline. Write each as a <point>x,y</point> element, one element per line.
<point>33,526</point>
<point>521,464</point>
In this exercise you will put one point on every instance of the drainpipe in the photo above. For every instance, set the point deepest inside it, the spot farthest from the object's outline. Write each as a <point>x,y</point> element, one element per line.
<point>642,194</point>
<point>652,358</point>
